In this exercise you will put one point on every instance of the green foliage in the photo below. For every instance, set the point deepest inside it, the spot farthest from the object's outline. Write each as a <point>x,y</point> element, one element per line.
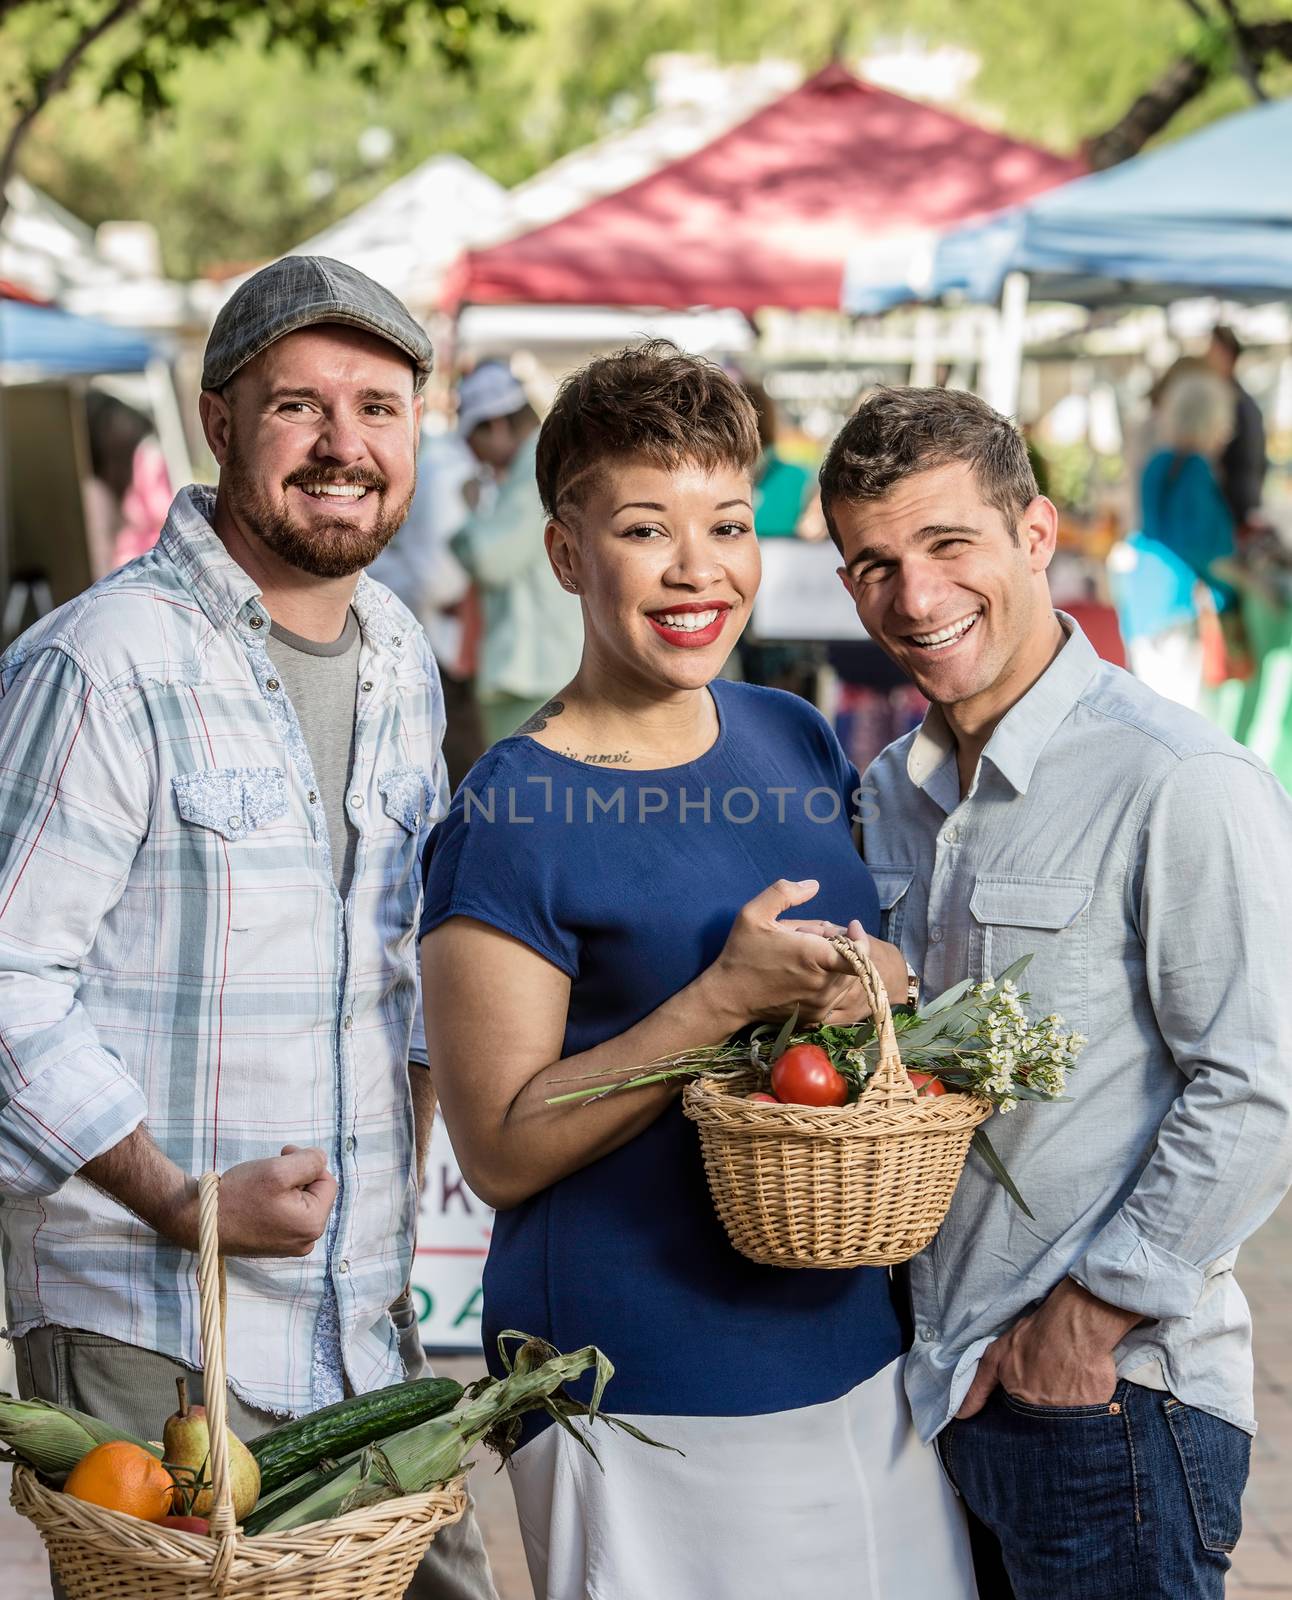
<point>257,105</point>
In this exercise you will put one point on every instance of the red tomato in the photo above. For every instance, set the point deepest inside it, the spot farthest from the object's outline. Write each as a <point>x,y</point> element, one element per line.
<point>805,1076</point>
<point>186,1524</point>
<point>763,1099</point>
<point>926,1083</point>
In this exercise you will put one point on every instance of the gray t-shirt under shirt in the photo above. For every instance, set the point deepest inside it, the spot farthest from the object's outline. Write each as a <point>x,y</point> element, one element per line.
<point>321,681</point>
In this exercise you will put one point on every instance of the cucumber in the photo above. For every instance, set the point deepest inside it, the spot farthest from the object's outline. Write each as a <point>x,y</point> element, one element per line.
<point>337,1430</point>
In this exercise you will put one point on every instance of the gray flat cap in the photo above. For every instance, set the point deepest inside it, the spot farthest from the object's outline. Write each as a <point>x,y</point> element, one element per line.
<point>298,292</point>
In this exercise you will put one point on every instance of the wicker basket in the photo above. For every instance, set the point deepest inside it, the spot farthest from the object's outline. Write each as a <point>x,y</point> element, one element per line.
<point>865,1185</point>
<point>106,1555</point>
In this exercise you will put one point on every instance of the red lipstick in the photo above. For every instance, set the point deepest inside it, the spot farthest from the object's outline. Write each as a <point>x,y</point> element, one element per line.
<point>690,638</point>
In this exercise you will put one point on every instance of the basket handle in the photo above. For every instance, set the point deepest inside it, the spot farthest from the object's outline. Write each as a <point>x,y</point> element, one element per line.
<point>889,1083</point>
<point>212,1292</point>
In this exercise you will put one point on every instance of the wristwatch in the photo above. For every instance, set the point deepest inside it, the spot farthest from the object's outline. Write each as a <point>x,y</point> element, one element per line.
<point>912,987</point>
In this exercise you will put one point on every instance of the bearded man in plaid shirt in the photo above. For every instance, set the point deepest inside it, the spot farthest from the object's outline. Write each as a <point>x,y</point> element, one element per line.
<point>219,766</point>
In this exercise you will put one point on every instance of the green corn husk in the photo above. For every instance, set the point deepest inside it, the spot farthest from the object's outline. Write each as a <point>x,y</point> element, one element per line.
<point>51,1438</point>
<point>434,1452</point>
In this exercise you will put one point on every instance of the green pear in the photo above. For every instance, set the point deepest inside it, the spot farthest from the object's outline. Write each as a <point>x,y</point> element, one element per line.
<point>186,1446</point>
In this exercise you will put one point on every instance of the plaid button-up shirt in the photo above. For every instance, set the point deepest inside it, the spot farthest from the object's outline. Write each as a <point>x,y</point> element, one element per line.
<point>173,950</point>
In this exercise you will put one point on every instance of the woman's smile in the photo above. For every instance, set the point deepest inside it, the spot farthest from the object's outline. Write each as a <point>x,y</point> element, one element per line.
<point>690,624</point>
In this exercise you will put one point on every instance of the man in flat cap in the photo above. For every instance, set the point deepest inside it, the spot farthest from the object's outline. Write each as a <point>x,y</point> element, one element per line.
<point>220,766</point>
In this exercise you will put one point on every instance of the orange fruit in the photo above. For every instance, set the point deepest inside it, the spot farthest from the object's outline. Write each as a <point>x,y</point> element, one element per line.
<point>122,1477</point>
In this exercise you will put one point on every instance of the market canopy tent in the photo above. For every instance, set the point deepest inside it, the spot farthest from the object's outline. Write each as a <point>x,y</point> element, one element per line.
<point>407,235</point>
<point>1209,214</point>
<point>55,343</point>
<point>768,212</point>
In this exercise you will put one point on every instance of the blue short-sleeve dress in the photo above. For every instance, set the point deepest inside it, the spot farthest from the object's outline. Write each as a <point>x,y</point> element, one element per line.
<point>628,881</point>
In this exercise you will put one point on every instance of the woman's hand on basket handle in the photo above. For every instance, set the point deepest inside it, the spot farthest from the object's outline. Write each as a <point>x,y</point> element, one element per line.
<point>772,965</point>
<point>888,959</point>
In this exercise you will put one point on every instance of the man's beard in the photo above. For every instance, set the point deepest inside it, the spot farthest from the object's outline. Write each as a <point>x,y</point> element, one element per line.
<point>328,547</point>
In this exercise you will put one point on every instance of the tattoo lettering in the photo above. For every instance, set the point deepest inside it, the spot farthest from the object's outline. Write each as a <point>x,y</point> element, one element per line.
<point>619,759</point>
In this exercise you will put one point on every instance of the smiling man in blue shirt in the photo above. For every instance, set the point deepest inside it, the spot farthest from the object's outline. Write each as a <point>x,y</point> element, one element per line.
<point>1087,1370</point>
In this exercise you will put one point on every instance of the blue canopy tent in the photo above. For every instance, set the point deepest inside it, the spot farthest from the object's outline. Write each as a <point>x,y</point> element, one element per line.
<point>1209,214</point>
<point>53,343</point>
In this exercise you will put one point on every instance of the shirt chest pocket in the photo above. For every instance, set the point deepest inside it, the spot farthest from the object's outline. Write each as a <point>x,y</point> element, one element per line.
<point>1046,918</point>
<point>408,796</point>
<point>891,885</point>
<point>231,801</point>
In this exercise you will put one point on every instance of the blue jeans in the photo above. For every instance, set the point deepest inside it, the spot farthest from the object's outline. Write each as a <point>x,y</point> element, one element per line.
<point>1135,1499</point>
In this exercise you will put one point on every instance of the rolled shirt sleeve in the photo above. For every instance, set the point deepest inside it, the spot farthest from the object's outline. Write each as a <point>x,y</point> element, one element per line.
<point>1210,895</point>
<point>73,813</point>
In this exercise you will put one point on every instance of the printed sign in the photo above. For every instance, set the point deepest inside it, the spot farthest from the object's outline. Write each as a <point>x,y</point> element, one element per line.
<point>452,1242</point>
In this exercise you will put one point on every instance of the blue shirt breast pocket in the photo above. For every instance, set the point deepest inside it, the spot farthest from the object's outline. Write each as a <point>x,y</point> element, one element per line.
<point>1046,918</point>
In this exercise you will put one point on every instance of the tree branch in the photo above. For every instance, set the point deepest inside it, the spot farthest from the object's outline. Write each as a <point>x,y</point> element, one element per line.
<point>1248,69</point>
<point>44,92</point>
<point>1182,81</point>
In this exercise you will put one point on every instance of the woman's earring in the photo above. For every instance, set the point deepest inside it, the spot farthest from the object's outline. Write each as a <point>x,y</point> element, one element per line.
<point>572,587</point>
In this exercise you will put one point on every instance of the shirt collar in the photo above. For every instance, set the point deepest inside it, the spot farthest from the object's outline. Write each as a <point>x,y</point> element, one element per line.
<point>227,593</point>
<point>1026,728</point>
<point>217,582</point>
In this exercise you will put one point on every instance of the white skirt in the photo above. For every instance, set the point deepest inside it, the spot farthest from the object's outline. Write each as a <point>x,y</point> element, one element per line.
<point>833,1502</point>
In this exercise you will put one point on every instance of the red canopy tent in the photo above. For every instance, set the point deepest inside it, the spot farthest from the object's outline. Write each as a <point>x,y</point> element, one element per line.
<point>766,214</point>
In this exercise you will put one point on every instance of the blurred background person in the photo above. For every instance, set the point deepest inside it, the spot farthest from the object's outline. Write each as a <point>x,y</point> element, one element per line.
<point>128,493</point>
<point>419,565</point>
<point>1242,463</point>
<point>784,496</point>
<point>1163,577</point>
<point>532,632</point>
<point>781,487</point>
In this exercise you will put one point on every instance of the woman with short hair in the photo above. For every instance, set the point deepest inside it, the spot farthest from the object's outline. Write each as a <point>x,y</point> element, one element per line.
<point>627,876</point>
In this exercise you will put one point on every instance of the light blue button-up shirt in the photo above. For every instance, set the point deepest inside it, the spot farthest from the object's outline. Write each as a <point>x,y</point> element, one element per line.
<point>1145,861</point>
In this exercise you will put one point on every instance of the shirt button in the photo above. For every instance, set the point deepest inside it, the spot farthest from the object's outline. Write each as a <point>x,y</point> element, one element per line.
<point>312,797</point>
<point>935,935</point>
<point>347,1023</point>
<point>235,822</point>
<point>356,800</point>
<point>343,1268</point>
<point>349,1145</point>
<point>366,686</point>
<point>398,640</point>
<point>951,836</point>
<point>271,683</point>
<point>257,622</point>
<point>928,1334</point>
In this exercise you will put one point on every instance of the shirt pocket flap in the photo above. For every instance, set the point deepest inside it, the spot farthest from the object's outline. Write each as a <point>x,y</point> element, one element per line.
<point>408,795</point>
<point>891,883</point>
<point>1030,902</point>
<point>233,801</point>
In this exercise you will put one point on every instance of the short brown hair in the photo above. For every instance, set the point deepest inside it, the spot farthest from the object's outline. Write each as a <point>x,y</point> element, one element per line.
<point>649,402</point>
<point>896,433</point>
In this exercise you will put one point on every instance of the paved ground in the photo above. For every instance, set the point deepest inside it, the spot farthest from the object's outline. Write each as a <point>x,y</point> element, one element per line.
<point>1262,1567</point>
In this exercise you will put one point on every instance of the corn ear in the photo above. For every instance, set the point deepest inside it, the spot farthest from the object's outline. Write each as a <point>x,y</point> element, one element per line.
<point>52,1438</point>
